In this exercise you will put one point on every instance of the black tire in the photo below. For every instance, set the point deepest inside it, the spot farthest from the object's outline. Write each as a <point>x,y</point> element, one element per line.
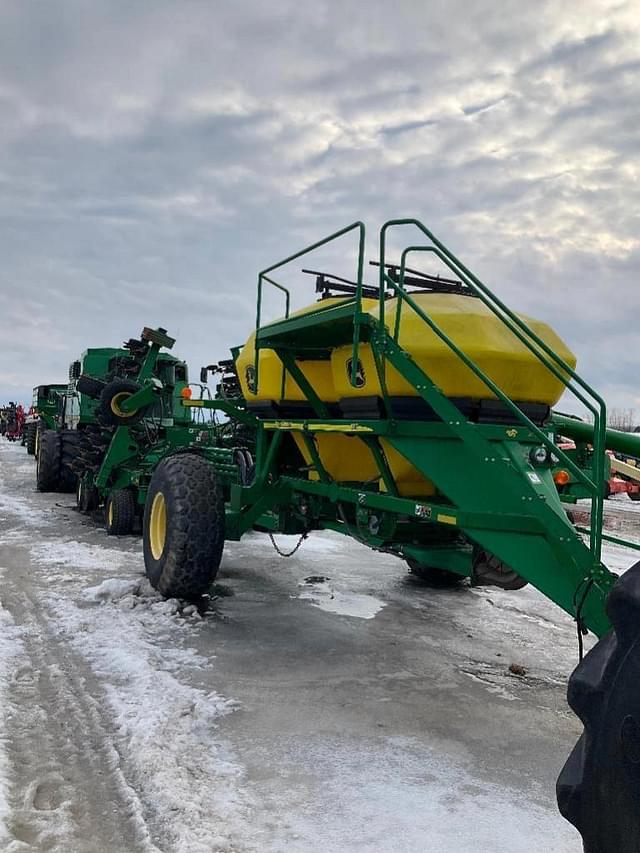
<point>48,461</point>
<point>70,447</point>
<point>90,387</point>
<point>114,393</point>
<point>432,576</point>
<point>634,496</point>
<point>120,512</point>
<point>31,431</point>
<point>86,497</point>
<point>489,570</point>
<point>182,556</point>
<point>40,429</point>
<point>598,788</point>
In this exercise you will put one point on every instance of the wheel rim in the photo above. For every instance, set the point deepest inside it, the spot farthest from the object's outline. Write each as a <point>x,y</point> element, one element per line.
<point>110,514</point>
<point>158,525</point>
<point>116,400</point>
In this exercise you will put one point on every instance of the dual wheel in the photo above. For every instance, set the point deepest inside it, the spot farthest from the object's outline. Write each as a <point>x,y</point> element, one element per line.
<point>54,461</point>
<point>119,511</point>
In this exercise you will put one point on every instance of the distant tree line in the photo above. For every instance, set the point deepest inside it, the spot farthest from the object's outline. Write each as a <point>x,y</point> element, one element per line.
<point>622,419</point>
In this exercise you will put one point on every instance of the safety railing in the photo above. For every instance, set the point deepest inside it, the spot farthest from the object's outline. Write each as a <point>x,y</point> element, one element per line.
<point>264,276</point>
<point>556,365</point>
<point>542,351</point>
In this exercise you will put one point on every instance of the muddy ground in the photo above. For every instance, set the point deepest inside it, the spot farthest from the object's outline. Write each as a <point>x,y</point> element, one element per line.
<point>327,702</point>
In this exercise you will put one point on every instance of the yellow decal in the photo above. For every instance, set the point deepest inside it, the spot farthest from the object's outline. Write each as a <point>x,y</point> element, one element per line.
<point>512,433</point>
<point>191,403</point>
<point>446,519</point>
<point>301,425</point>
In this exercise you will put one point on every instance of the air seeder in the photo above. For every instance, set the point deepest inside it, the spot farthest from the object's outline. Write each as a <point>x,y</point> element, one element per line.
<point>120,415</point>
<point>414,417</point>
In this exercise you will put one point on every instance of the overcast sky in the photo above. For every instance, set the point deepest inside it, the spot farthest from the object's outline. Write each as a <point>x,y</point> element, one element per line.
<point>155,155</point>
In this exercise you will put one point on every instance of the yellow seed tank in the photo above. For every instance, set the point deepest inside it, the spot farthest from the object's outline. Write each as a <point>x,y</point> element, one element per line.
<point>464,319</point>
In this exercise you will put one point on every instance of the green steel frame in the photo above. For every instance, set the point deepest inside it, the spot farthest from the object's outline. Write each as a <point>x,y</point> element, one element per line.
<point>130,458</point>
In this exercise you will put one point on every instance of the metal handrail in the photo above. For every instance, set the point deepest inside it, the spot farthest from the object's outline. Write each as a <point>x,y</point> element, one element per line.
<point>540,349</point>
<point>532,341</point>
<point>491,385</point>
<point>262,276</point>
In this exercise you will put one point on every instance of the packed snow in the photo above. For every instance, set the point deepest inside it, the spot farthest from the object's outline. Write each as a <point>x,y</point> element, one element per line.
<point>301,709</point>
<point>11,658</point>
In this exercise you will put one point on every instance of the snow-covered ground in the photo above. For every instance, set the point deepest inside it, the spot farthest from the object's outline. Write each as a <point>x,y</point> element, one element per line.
<point>323,703</point>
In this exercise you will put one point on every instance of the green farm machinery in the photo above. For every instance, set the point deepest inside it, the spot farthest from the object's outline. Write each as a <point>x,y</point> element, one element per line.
<point>45,407</point>
<point>414,416</point>
<point>120,415</point>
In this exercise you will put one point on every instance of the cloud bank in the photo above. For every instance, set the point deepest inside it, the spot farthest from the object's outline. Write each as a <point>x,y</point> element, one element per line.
<point>154,156</point>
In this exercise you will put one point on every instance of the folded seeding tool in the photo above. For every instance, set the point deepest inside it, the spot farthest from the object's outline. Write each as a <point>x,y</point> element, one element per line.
<point>118,417</point>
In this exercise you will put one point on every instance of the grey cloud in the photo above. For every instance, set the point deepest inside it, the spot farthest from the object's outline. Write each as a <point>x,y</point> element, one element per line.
<point>154,156</point>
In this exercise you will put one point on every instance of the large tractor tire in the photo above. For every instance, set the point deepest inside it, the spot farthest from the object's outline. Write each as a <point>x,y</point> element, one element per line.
<point>432,576</point>
<point>120,512</point>
<point>48,461</point>
<point>599,787</point>
<point>56,451</point>
<point>112,396</point>
<point>69,448</point>
<point>183,534</point>
<point>31,432</point>
<point>41,427</point>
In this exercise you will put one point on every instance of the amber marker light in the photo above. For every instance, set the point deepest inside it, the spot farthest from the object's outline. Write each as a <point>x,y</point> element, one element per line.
<point>561,478</point>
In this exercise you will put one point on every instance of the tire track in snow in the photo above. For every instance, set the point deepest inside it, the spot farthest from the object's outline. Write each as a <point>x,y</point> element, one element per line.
<point>69,791</point>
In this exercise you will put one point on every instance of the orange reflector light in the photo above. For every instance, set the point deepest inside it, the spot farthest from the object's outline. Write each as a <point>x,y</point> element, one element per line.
<point>561,478</point>
<point>186,393</point>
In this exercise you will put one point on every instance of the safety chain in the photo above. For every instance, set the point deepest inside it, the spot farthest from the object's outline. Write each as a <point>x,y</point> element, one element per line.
<point>288,553</point>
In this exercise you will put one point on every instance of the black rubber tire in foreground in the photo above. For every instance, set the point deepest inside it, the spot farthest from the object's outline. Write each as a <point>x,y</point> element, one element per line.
<point>120,512</point>
<point>432,576</point>
<point>187,488</point>
<point>48,462</point>
<point>112,394</point>
<point>599,787</point>
<point>31,430</point>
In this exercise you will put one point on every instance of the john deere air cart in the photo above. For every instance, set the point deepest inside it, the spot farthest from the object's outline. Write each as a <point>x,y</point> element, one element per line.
<point>414,417</point>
